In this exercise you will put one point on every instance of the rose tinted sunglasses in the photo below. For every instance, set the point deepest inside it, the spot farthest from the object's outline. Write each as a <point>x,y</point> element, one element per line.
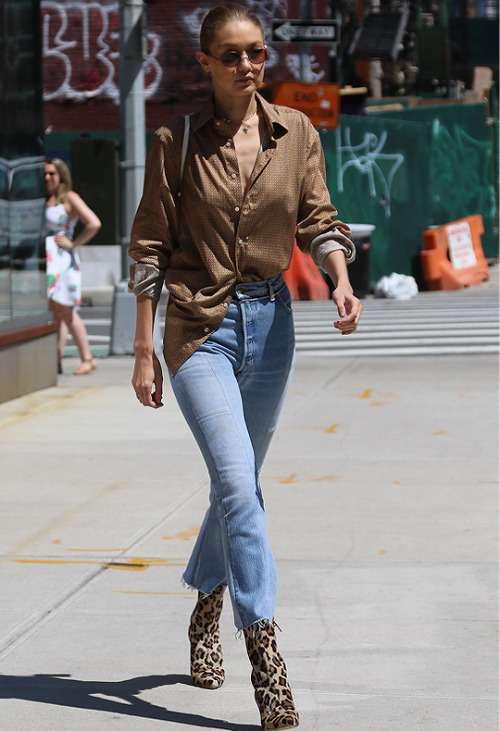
<point>231,59</point>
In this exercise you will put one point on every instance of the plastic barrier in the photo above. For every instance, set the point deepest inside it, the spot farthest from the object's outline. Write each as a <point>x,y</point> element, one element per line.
<point>304,279</point>
<point>453,257</point>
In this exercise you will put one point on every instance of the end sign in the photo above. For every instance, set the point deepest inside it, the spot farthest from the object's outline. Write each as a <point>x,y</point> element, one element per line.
<point>320,102</point>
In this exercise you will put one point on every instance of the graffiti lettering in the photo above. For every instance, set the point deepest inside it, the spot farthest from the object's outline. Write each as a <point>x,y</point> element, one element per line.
<point>81,51</point>
<point>366,158</point>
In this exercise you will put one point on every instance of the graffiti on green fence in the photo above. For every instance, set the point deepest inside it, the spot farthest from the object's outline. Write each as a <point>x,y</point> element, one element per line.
<point>370,160</point>
<point>461,174</point>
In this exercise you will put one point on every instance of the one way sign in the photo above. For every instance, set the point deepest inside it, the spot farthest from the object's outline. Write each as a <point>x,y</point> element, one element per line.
<point>312,31</point>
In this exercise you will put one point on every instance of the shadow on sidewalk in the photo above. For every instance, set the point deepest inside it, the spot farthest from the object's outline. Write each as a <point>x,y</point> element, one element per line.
<point>62,690</point>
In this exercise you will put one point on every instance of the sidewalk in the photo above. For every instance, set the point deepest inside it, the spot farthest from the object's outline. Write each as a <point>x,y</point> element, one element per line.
<point>381,492</point>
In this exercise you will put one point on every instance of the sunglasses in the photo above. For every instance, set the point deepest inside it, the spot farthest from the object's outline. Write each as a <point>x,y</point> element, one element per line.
<point>230,59</point>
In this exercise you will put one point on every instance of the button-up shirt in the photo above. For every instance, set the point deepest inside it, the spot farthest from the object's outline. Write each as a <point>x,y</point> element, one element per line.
<point>212,237</point>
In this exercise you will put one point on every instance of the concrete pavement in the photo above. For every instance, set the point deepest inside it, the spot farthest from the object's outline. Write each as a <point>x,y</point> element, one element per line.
<point>381,491</point>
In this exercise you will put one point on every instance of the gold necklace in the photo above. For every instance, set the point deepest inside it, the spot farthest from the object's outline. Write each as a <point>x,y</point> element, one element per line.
<point>245,127</point>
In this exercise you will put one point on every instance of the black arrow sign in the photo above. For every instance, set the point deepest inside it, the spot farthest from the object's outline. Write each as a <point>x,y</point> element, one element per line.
<point>311,31</point>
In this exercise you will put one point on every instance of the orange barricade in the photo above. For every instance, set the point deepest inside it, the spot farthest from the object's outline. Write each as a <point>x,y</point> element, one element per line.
<point>304,278</point>
<point>453,256</point>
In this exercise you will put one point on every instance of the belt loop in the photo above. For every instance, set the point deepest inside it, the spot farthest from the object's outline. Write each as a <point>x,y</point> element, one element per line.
<point>272,296</point>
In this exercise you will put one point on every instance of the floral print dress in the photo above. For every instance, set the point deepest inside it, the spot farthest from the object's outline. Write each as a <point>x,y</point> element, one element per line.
<point>64,277</point>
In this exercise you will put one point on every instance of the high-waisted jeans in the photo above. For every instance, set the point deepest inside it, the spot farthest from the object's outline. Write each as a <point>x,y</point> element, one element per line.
<point>231,391</point>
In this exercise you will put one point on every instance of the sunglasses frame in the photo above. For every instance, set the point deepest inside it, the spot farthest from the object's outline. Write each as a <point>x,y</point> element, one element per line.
<point>240,57</point>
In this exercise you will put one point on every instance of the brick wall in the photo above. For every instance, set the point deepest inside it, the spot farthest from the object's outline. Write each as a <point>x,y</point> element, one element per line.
<point>81,52</point>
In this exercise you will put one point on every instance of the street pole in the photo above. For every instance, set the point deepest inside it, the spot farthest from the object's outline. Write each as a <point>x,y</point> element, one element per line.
<point>132,117</point>
<point>132,164</point>
<point>305,11</point>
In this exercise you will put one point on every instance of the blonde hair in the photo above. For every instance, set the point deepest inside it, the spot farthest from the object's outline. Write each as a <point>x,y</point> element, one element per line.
<point>66,183</point>
<point>219,16</point>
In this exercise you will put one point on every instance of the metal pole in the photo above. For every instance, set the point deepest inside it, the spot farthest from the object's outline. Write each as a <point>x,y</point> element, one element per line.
<point>132,163</point>
<point>132,117</point>
<point>305,49</point>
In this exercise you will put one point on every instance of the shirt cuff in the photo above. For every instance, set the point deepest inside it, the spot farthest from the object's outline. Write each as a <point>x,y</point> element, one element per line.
<point>330,241</point>
<point>146,279</point>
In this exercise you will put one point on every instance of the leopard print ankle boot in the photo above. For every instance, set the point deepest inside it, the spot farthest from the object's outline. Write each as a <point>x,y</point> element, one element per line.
<point>269,679</point>
<point>206,650</point>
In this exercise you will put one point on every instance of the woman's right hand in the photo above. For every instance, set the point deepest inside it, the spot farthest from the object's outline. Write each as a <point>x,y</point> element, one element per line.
<point>148,375</point>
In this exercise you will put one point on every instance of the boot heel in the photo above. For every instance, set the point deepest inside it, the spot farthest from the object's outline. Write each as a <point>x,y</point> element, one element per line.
<point>207,670</point>
<point>269,679</point>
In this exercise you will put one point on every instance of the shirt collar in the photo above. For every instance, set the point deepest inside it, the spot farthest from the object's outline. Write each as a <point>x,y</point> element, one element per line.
<point>275,124</point>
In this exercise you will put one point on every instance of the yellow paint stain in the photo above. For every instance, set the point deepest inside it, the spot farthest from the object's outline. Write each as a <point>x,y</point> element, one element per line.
<point>183,535</point>
<point>397,482</point>
<point>367,393</point>
<point>378,403</point>
<point>331,429</point>
<point>382,551</point>
<point>132,564</point>
<point>438,432</point>
<point>57,541</point>
<point>290,480</point>
<point>326,478</point>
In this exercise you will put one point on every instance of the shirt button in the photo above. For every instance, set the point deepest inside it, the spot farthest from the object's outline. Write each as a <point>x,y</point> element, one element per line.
<point>206,329</point>
<point>233,175</point>
<point>228,144</point>
<point>236,208</point>
<point>225,305</point>
<point>240,241</point>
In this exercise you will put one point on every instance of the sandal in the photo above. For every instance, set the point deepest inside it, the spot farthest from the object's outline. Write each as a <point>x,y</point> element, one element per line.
<point>86,366</point>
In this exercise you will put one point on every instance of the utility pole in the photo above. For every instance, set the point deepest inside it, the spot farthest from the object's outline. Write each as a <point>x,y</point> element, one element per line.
<point>132,117</point>
<point>306,13</point>
<point>132,164</point>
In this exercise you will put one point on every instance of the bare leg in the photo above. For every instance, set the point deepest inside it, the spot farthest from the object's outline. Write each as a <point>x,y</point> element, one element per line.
<point>68,319</point>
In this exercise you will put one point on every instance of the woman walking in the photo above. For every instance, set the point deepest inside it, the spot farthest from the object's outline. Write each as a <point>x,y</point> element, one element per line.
<point>220,232</point>
<point>63,209</point>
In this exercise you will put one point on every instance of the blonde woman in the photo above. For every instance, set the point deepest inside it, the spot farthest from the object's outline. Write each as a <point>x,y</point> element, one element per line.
<point>254,179</point>
<point>63,209</point>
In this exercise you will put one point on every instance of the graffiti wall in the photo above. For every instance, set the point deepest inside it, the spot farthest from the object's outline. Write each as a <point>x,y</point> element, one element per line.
<point>406,171</point>
<point>81,59</point>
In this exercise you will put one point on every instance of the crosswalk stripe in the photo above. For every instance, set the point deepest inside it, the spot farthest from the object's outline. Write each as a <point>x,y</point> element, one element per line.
<point>426,325</point>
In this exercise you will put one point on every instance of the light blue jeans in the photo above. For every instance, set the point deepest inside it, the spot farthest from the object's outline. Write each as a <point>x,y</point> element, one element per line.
<point>231,391</point>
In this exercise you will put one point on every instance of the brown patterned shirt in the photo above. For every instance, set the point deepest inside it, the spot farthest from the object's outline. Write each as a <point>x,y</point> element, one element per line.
<point>204,243</point>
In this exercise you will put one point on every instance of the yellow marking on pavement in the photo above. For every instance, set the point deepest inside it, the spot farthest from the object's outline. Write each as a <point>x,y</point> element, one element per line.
<point>132,564</point>
<point>378,403</point>
<point>183,535</point>
<point>438,432</point>
<point>57,541</point>
<point>331,429</point>
<point>326,478</point>
<point>290,480</point>
<point>367,393</point>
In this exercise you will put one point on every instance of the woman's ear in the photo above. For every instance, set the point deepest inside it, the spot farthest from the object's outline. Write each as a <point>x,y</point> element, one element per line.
<point>203,61</point>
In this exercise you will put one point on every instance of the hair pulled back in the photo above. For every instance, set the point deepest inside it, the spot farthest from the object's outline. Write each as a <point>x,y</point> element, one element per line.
<point>219,16</point>
<point>66,183</point>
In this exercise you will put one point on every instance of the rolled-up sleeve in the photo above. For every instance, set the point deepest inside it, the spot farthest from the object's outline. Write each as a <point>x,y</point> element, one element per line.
<point>318,229</point>
<point>154,228</point>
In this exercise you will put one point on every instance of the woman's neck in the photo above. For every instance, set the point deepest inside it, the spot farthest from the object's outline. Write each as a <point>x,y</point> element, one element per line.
<point>236,110</point>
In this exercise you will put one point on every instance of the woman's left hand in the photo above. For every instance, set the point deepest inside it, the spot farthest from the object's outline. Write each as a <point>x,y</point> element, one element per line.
<point>63,242</point>
<point>349,308</point>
